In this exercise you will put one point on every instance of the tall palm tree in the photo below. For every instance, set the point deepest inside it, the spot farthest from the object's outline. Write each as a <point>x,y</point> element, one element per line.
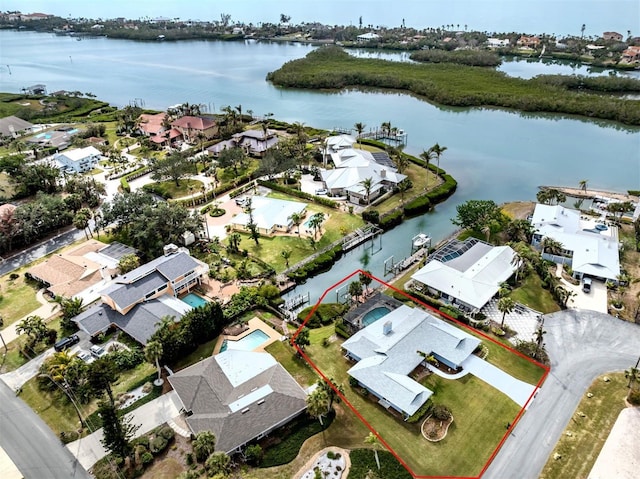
<point>286,254</point>
<point>551,246</point>
<point>438,151</point>
<point>505,306</point>
<point>633,374</point>
<point>315,222</point>
<point>403,187</point>
<point>152,353</point>
<point>359,128</point>
<point>372,440</point>
<point>583,185</point>
<point>367,184</point>
<point>427,156</point>
<point>539,337</point>
<point>296,219</point>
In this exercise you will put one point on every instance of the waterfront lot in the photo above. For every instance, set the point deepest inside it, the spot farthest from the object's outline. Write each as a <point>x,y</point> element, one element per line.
<point>474,434</point>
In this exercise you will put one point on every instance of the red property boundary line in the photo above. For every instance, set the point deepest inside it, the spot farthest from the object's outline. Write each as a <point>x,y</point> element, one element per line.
<point>431,308</point>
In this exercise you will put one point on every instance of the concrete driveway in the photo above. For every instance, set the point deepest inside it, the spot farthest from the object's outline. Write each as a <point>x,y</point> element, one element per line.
<point>90,450</point>
<point>596,300</point>
<point>582,345</point>
<point>517,390</point>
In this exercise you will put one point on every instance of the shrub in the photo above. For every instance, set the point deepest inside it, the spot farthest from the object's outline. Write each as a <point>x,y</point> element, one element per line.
<point>363,461</point>
<point>158,444</point>
<point>419,414</point>
<point>142,441</point>
<point>167,432</point>
<point>146,458</point>
<point>124,184</point>
<point>391,220</point>
<point>440,412</point>
<point>372,216</point>
<point>634,397</point>
<point>69,436</point>
<point>417,206</point>
<point>14,276</point>
<point>254,454</point>
<point>325,314</point>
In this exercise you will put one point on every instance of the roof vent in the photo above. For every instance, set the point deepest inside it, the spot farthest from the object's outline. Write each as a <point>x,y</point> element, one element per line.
<point>245,410</point>
<point>170,249</point>
<point>261,401</point>
<point>387,328</point>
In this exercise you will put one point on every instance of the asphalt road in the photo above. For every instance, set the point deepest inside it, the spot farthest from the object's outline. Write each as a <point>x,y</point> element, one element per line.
<point>32,446</point>
<point>582,345</point>
<point>38,251</point>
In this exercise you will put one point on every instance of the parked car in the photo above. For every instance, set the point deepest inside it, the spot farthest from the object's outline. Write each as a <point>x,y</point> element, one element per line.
<point>85,356</point>
<point>586,285</point>
<point>67,342</point>
<point>241,201</point>
<point>97,351</point>
<point>322,191</point>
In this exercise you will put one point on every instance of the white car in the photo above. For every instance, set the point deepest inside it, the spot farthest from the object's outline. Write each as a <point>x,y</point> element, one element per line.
<point>322,191</point>
<point>97,351</point>
<point>85,356</point>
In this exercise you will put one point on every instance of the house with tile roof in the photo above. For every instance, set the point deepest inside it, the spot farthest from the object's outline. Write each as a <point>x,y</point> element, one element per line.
<point>270,215</point>
<point>590,247</point>
<point>388,350</point>
<point>137,301</point>
<point>80,272</point>
<point>240,396</point>
<point>253,142</point>
<point>466,274</point>
<point>191,127</point>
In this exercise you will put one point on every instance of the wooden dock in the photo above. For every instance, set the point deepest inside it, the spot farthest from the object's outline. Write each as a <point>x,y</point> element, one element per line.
<point>359,236</point>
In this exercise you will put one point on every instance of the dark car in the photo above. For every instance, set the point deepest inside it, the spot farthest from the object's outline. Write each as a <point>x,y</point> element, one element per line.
<point>67,342</point>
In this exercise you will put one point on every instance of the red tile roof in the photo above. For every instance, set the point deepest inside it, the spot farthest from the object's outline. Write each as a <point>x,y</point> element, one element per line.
<point>194,123</point>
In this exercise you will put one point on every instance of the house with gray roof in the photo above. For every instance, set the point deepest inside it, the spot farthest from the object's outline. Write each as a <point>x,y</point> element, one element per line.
<point>137,301</point>
<point>389,349</point>
<point>240,396</point>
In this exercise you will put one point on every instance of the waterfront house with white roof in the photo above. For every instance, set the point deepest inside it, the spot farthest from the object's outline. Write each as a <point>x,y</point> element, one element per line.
<point>389,349</point>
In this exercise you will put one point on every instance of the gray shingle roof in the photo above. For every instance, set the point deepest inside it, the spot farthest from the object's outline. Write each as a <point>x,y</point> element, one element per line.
<point>140,323</point>
<point>238,395</point>
<point>125,295</point>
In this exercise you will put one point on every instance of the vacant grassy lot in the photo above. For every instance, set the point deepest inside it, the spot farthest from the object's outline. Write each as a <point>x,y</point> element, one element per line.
<point>18,298</point>
<point>531,293</point>
<point>580,450</point>
<point>474,434</point>
<point>336,225</point>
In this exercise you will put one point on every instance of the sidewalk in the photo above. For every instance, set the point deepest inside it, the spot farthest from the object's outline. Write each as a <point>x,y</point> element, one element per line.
<point>90,450</point>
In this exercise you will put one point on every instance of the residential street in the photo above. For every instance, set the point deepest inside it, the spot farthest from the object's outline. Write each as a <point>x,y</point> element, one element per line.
<point>582,345</point>
<point>32,446</point>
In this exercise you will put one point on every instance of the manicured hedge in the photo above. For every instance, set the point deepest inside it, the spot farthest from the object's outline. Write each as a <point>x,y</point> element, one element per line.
<point>300,194</point>
<point>160,190</point>
<point>417,206</point>
<point>325,314</point>
<point>293,436</point>
<point>390,220</point>
<point>125,184</point>
<point>342,330</point>
<point>322,263</point>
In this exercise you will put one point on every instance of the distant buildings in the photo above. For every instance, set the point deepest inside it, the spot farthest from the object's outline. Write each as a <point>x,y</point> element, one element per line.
<point>498,42</point>
<point>79,160</point>
<point>193,127</point>
<point>270,215</point>
<point>367,37</point>
<point>12,126</point>
<point>528,42</point>
<point>612,36</point>
<point>253,142</point>
<point>631,55</point>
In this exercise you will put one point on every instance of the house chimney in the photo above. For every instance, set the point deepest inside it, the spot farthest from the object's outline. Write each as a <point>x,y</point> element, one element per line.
<point>383,174</point>
<point>170,249</point>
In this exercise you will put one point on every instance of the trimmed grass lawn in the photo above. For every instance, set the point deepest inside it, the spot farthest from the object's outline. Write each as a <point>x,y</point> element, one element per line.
<point>18,298</point>
<point>187,187</point>
<point>418,177</point>
<point>56,410</point>
<point>297,367</point>
<point>531,293</point>
<point>337,224</point>
<point>588,434</point>
<point>474,434</point>
<point>202,352</point>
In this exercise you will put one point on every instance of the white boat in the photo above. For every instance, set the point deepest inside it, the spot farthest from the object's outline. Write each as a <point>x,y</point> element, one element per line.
<point>421,240</point>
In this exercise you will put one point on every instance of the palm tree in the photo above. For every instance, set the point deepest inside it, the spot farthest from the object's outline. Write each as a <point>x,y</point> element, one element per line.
<point>427,156</point>
<point>551,246</point>
<point>372,440</point>
<point>539,335</point>
<point>56,366</point>
<point>315,222</point>
<point>505,306</point>
<point>286,254</point>
<point>152,353</point>
<point>317,404</point>
<point>234,241</point>
<point>386,127</point>
<point>583,185</point>
<point>438,150</point>
<point>296,219</point>
<point>328,387</point>
<point>367,184</point>
<point>204,444</point>
<point>359,128</point>
<point>403,187</point>
<point>633,374</point>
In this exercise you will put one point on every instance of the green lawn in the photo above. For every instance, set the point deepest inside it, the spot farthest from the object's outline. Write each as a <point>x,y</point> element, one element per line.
<point>18,298</point>
<point>588,434</point>
<point>531,293</point>
<point>56,410</point>
<point>418,177</point>
<point>269,249</point>
<point>297,367</point>
<point>474,434</point>
<point>185,188</point>
<point>202,352</point>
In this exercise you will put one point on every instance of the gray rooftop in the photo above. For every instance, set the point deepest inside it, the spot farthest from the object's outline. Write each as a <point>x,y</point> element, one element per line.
<point>238,395</point>
<point>386,360</point>
<point>117,250</point>
<point>140,323</point>
<point>124,295</point>
<point>12,124</point>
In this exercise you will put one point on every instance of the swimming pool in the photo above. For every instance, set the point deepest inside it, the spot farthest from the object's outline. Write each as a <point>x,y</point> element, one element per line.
<point>194,300</point>
<point>250,342</point>
<point>374,315</point>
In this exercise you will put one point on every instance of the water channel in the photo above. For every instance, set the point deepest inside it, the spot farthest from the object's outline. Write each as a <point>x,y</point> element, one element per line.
<point>494,154</point>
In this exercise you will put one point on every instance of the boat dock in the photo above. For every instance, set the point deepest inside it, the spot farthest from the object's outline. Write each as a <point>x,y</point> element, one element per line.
<point>391,267</point>
<point>394,134</point>
<point>359,236</point>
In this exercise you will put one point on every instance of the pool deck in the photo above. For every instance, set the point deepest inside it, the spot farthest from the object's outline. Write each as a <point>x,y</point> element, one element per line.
<point>254,324</point>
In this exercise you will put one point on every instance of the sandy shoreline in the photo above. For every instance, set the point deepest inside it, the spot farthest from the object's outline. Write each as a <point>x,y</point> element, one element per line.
<point>591,193</point>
